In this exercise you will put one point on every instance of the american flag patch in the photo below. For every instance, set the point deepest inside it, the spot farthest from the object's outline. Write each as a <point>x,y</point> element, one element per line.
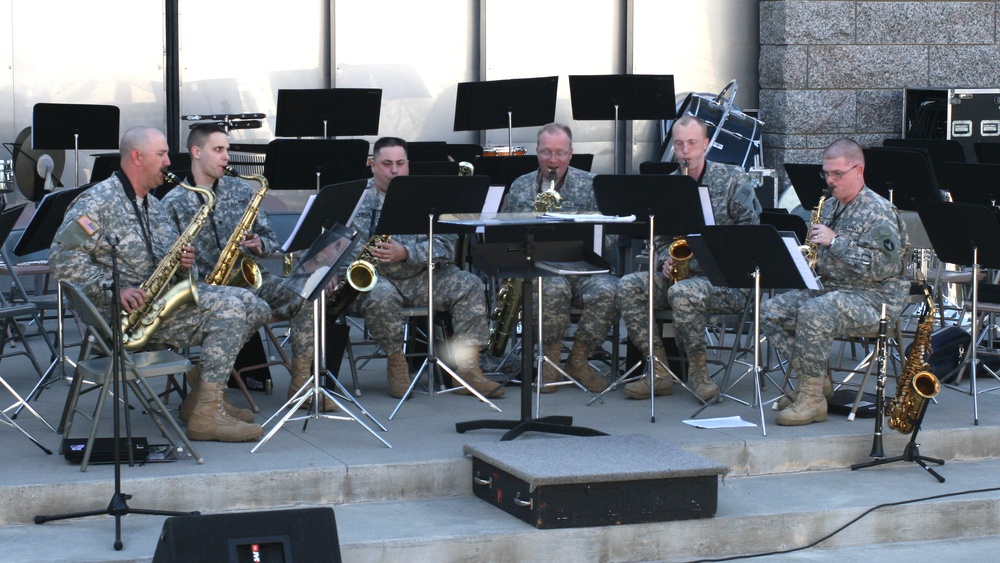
<point>88,225</point>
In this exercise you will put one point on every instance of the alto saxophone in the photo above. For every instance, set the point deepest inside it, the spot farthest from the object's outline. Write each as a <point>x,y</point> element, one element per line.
<point>811,249</point>
<point>225,271</point>
<point>162,302</point>
<point>361,277</point>
<point>916,384</point>
<point>679,250</point>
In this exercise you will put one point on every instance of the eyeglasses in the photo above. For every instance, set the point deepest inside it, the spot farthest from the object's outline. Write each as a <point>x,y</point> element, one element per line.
<point>550,154</point>
<point>836,175</point>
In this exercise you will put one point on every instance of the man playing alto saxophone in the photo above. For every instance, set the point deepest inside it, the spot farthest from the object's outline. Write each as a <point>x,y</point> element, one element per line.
<point>401,263</point>
<point>121,211</point>
<point>694,298</point>
<point>862,241</point>
<point>208,145</point>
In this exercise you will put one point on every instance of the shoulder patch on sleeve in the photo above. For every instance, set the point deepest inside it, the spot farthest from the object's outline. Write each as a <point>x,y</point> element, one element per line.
<point>88,224</point>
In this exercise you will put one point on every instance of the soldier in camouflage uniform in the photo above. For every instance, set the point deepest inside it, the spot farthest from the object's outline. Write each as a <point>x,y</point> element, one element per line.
<point>122,208</point>
<point>594,293</point>
<point>208,145</point>
<point>402,282</point>
<point>692,299</point>
<point>862,241</point>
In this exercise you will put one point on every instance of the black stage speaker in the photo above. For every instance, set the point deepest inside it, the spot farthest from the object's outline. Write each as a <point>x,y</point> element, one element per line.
<point>302,535</point>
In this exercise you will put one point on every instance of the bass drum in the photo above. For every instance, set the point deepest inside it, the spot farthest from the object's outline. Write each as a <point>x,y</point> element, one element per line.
<point>736,136</point>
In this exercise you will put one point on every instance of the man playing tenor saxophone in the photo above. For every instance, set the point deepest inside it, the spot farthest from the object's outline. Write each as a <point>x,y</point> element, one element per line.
<point>693,298</point>
<point>120,211</point>
<point>208,145</point>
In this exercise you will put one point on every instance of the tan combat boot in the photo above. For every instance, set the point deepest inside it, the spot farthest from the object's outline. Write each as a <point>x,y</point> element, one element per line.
<point>578,367</point>
<point>467,367</point>
<point>398,372</point>
<point>699,380</point>
<point>193,378</point>
<point>809,406</point>
<point>301,375</point>
<point>664,384</point>
<point>209,420</point>
<point>550,374</point>
<point>786,400</point>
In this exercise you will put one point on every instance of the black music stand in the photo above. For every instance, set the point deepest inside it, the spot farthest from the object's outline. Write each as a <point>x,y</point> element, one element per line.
<point>967,235</point>
<point>751,257</point>
<point>37,236</point>
<point>74,126</point>
<point>412,205</point>
<point>336,203</point>
<point>673,205</point>
<point>518,261</point>
<point>318,266</point>
<point>328,113</point>
<point>301,164</point>
<point>940,151</point>
<point>973,182</point>
<point>901,176</point>
<point>505,104</point>
<point>622,96</point>
<point>807,183</point>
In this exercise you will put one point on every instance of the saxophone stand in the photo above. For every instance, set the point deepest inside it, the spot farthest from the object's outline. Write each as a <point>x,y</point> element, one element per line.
<point>409,202</point>
<point>751,257</point>
<point>672,204</point>
<point>314,272</point>
<point>505,261</point>
<point>912,450</point>
<point>967,235</point>
<point>118,507</point>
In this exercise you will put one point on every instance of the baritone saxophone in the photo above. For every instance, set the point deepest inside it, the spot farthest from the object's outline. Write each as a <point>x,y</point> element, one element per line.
<point>361,277</point>
<point>163,300</point>
<point>247,274</point>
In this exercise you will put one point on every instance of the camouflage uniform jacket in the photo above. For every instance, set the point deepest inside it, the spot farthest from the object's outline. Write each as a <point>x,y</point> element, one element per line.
<point>232,197</point>
<point>734,202</point>
<point>868,251</point>
<point>577,191</point>
<point>416,245</point>
<point>80,253</point>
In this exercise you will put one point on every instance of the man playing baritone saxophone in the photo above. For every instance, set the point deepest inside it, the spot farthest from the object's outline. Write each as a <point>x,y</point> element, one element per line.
<point>692,299</point>
<point>595,294</point>
<point>402,281</point>
<point>862,241</point>
<point>121,210</point>
<point>208,145</point>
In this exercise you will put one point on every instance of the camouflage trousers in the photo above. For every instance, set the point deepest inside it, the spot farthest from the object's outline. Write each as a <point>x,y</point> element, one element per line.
<point>692,301</point>
<point>221,324</point>
<point>456,291</point>
<point>802,324</point>
<point>595,295</point>
<point>287,305</point>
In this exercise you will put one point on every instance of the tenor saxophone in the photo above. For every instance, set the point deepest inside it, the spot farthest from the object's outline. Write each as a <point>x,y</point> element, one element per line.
<point>679,250</point>
<point>361,277</point>
<point>162,300</point>
<point>247,274</point>
<point>916,384</point>
<point>505,314</point>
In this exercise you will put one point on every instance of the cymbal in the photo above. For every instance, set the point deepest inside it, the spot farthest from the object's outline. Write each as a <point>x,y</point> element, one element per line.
<point>29,183</point>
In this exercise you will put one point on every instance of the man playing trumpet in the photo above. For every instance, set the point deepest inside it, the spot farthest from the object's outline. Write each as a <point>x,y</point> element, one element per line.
<point>694,298</point>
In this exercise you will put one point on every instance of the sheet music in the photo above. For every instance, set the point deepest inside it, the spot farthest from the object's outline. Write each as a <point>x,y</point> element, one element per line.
<point>302,217</point>
<point>706,205</point>
<point>808,276</point>
<point>587,217</point>
<point>494,197</point>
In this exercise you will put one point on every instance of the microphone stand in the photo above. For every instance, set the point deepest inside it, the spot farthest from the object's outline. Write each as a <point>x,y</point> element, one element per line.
<point>118,506</point>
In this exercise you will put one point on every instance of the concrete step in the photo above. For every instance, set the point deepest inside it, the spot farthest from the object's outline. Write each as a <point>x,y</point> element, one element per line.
<point>757,514</point>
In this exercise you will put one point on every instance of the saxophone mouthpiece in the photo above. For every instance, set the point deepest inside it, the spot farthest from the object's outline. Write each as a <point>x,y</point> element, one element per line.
<point>552,174</point>
<point>228,171</point>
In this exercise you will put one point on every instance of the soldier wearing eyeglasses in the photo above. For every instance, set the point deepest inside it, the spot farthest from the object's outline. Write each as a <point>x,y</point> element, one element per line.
<point>595,294</point>
<point>862,241</point>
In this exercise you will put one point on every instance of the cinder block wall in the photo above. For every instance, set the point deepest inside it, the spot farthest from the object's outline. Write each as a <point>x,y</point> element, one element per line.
<point>836,68</point>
